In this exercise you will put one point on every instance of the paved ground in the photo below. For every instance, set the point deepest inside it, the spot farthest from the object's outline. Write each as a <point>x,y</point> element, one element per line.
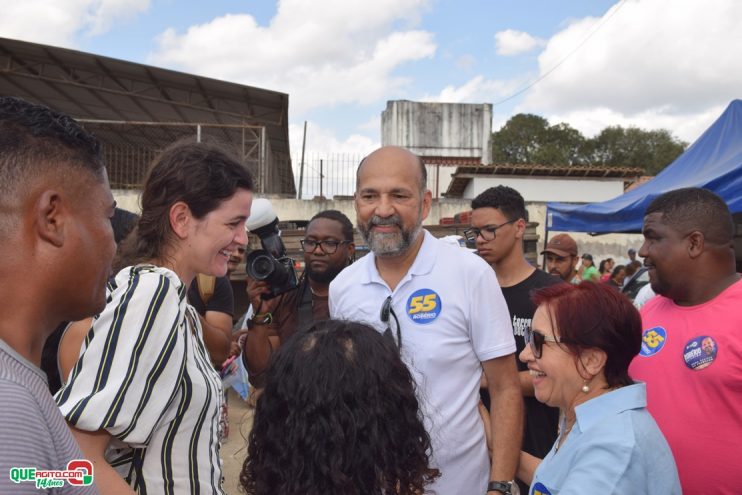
<point>234,449</point>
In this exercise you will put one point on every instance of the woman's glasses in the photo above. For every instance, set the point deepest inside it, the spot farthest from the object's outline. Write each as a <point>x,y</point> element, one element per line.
<point>386,310</point>
<point>536,341</point>
<point>327,247</point>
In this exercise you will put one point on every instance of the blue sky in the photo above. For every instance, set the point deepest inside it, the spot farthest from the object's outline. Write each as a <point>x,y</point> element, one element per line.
<point>649,63</point>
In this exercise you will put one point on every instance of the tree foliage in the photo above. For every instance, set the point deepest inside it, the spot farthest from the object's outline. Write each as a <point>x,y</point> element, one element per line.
<point>529,139</point>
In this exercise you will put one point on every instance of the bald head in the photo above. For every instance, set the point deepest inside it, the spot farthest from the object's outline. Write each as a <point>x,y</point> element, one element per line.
<point>401,157</point>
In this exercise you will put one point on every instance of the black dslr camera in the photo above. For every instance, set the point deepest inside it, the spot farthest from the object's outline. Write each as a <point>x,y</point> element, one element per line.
<point>270,263</point>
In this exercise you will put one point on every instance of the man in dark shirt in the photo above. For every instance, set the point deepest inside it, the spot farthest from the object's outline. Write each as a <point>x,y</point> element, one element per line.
<point>328,248</point>
<point>498,224</point>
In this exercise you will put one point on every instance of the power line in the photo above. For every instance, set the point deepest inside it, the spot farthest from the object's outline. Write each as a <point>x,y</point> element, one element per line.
<point>564,59</point>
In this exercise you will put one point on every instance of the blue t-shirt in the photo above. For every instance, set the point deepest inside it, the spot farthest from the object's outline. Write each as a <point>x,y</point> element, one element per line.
<point>615,447</point>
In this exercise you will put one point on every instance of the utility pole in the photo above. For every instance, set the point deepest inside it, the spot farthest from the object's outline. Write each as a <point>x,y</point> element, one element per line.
<point>301,167</point>
<point>321,176</point>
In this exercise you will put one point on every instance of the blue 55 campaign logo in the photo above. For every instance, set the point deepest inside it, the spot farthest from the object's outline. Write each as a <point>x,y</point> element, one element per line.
<point>653,340</point>
<point>424,306</point>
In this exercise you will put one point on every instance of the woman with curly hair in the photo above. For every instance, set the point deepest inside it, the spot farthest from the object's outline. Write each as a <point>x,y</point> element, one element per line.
<point>338,416</point>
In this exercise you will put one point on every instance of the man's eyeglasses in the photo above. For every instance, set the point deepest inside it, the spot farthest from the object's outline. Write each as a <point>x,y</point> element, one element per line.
<point>536,341</point>
<point>386,310</point>
<point>487,232</point>
<point>327,247</point>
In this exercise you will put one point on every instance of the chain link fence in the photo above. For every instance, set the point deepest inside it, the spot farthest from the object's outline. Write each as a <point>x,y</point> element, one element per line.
<point>334,174</point>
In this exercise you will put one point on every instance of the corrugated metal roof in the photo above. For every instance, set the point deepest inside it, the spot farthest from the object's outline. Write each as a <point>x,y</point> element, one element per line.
<point>93,87</point>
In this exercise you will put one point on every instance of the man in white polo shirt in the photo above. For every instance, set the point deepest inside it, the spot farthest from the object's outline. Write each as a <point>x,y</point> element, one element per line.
<point>443,307</point>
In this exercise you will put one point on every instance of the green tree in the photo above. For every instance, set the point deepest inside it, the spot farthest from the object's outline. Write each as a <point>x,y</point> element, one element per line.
<point>519,140</point>
<point>529,139</point>
<point>563,145</point>
<point>633,147</point>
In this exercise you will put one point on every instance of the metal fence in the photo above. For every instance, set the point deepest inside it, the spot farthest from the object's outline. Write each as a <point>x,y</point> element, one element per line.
<point>334,174</point>
<point>326,175</point>
<point>130,147</point>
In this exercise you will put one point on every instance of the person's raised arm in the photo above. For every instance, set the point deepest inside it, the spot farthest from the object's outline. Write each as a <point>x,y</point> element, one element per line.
<point>258,347</point>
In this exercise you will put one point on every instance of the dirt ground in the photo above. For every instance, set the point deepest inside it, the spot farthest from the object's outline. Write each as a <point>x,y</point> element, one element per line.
<point>234,449</point>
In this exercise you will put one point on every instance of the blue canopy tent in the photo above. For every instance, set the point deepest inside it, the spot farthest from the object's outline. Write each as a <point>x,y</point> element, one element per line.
<point>713,162</point>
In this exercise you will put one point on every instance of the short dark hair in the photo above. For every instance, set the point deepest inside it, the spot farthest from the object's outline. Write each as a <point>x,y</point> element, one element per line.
<point>338,414</point>
<point>592,315</point>
<point>202,175</point>
<point>695,208</point>
<point>35,140</point>
<point>344,221</point>
<point>617,269</point>
<point>504,198</point>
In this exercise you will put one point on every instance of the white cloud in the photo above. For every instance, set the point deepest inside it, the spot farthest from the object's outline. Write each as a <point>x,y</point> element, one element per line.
<point>478,90</point>
<point>321,140</point>
<point>687,127</point>
<point>323,53</point>
<point>511,42</point>
<point>60,23</point>
<point>372,124</point>
<point>649,64</point>
<point>340,159</point>
<point>105,13</point>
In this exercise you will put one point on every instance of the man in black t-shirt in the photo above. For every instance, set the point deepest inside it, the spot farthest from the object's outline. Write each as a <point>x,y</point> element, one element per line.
<point>498,223</point>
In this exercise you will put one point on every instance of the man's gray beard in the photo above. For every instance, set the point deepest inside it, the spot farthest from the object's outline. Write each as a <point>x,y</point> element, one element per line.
<point>389,245</point>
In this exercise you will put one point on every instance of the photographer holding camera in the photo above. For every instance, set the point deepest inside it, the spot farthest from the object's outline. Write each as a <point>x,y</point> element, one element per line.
<point>328,248</point>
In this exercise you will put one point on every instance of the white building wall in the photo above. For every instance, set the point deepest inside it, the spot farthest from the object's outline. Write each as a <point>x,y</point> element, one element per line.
<point>439,129</point>
<point>577,190</point>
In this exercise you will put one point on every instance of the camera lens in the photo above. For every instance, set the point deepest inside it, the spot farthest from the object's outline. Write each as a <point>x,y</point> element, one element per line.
<point>260,267</point>
<point>263,266</point>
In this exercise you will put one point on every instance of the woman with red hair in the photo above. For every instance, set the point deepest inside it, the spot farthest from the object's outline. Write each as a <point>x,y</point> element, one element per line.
<point>579,348</point>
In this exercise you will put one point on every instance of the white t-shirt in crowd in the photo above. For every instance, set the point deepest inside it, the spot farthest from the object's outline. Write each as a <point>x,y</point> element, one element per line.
<point>452,316</point>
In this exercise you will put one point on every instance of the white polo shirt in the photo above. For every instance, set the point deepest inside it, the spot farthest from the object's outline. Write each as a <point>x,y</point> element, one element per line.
<point>452,316</point>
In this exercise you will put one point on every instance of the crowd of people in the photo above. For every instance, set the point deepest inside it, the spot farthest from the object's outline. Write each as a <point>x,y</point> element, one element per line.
<point>418,368</point>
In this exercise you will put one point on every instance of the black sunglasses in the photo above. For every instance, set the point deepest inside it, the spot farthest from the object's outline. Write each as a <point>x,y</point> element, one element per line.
<point>488,232</point>
<point>327,247</point>
<point>386,310</point>
<point>536,341</point>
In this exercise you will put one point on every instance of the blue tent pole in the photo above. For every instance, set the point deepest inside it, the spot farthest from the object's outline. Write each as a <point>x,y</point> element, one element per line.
<point>546,241</point>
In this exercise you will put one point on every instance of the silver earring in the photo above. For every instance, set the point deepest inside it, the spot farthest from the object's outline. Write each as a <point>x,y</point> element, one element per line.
<point>585,388</point>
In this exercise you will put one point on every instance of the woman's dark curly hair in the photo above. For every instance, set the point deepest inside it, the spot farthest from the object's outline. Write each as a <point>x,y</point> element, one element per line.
<point>338,416</point>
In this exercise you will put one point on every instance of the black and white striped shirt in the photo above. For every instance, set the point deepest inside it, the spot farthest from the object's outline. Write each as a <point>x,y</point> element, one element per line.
<point>145,376</point>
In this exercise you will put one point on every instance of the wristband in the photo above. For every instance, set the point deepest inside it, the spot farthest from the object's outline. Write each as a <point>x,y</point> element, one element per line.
<point>262,318</point>
<point>505,487</point>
